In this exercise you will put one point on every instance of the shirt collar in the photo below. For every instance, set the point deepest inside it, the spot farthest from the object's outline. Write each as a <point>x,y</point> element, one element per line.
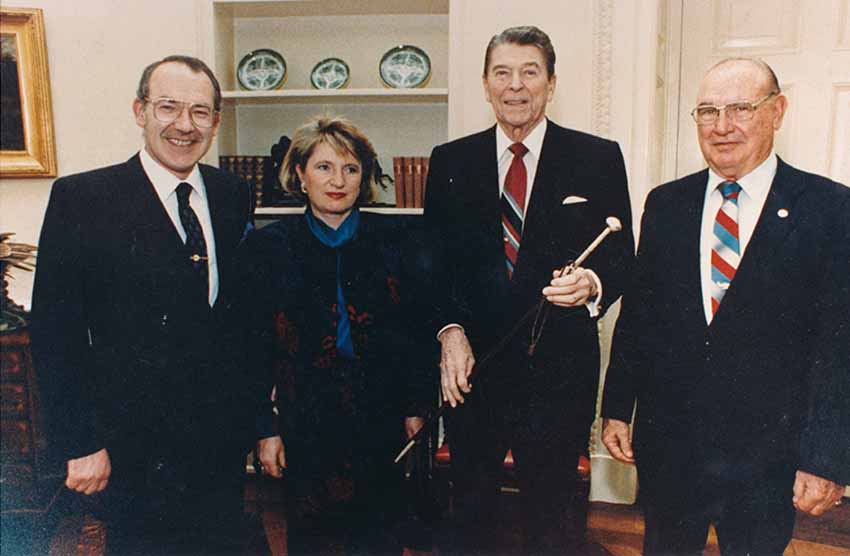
<point>755,184</point>
<point>534,141</point>
<point>164,182</point>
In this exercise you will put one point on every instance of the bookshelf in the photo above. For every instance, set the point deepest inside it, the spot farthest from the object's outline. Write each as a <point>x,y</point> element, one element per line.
<point>400,122</point>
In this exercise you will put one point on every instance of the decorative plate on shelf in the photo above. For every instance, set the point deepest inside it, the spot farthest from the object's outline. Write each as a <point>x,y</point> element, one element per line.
<point>331,73</point>
<point>405,67</point>
<point>261,70</point>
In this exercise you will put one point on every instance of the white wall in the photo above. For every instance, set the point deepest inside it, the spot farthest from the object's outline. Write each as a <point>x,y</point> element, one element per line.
<point>96,51</point>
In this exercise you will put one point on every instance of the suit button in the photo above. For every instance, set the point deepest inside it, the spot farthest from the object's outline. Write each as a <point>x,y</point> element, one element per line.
<point>164,320</point>
<point>707,343</point>
<point>506,239</point>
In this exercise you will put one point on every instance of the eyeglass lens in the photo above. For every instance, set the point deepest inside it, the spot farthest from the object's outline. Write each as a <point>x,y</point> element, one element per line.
<point>168,110</point>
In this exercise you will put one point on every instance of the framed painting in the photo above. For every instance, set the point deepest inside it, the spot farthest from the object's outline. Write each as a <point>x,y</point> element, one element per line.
<point>27,147</point>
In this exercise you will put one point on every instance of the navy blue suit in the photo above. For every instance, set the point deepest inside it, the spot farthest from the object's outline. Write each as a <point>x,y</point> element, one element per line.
<point>129,356</point>
<point>540,407</point>
<point>727,412</point>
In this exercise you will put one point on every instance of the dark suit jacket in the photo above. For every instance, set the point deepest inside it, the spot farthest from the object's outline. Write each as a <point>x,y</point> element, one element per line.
<point>463,221</point>
<point>767,384</point>
<point>126,357</point>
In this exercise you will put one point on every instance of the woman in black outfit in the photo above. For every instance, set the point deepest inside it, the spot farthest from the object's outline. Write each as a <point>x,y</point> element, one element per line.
<point>330,318</point>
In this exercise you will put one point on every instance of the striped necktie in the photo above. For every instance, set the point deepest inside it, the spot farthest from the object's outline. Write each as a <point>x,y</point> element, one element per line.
<point>726,253</point>
<point>513,205</point>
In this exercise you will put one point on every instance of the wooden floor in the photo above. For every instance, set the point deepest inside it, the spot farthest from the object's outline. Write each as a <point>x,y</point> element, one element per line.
<point>617,529</point>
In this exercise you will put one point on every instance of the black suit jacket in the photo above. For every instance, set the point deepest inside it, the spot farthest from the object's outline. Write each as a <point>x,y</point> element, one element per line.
<point>126,356</point>
<point>768,382</point>
<point>463,222</point>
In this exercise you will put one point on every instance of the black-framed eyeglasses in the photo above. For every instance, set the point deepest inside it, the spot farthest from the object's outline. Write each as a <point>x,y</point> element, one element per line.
<point>707,114</point>
<point>166,110</point>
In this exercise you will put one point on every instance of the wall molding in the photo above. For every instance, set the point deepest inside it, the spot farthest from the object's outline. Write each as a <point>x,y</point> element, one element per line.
<point>603,35</point>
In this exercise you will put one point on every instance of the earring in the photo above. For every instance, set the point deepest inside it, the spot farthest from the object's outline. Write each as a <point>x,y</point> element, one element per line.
<point>303,189</point>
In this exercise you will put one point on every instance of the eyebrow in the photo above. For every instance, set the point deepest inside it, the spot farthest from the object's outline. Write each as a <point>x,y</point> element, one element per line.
<point>522,66</point>
<point>344,163</point>
<point>175,99</point>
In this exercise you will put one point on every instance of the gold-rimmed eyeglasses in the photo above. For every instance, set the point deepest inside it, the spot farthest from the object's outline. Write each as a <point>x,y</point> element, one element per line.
<point>166,110</point>
<point>742,111</point>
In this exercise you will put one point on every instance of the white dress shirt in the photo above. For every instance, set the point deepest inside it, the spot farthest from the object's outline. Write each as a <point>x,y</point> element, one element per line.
<point>165,184</point>
<point>754,189</point>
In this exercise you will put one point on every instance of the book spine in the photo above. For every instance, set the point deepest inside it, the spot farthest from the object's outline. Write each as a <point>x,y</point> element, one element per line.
<point>398,176</point>
<point>408,181</point>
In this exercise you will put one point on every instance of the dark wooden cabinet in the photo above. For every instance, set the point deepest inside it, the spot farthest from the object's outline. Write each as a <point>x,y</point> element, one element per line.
<point>28,493</point>
<point>18,409</point>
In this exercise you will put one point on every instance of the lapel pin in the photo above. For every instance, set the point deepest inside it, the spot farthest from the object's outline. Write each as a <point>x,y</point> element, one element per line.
<point>782,213</point>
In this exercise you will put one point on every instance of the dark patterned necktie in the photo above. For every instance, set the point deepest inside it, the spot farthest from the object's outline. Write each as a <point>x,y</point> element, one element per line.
<point>194,235</point>
<point>513,205</point>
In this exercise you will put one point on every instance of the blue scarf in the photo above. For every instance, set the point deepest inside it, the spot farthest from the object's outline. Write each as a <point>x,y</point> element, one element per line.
<point>335,239</point>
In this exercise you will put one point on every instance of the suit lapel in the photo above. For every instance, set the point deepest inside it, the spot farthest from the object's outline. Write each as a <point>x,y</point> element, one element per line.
<point>768,236</point>
<point>488,177</point>
<point>686,233</point>
<point>215,202</point>
<point>486,199</point>
<point>145,212</point>
<point>553,169</point>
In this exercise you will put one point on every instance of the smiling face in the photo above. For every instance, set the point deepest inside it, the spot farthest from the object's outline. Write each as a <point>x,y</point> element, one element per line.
<point>177,145</point>
<point>332,183</point>
<point>518,87</point>
<point>733,149</point>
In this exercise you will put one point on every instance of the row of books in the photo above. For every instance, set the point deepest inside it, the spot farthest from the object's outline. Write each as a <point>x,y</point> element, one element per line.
<point>410,173</point>
<point>250,168</point>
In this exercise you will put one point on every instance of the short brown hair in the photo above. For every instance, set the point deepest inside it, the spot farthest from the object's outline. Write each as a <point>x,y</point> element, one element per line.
<point>526,35</point>
<point>198,66</point>
<point>344,138</point>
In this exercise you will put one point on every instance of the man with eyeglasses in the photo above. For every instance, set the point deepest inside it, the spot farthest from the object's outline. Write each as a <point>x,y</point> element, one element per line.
<point>145,407</point>
<point>734,336</point>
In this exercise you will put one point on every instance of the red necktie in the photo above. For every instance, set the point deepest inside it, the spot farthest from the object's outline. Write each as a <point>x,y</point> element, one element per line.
<point>513,205</point>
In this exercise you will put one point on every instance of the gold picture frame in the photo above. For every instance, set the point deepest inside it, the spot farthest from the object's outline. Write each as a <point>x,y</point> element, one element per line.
<point>27,147</point>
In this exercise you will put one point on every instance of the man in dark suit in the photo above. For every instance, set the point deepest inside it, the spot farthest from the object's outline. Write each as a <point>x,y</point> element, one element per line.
<point>734,336</point>
<point>141,401</point>
<point>505,208</point>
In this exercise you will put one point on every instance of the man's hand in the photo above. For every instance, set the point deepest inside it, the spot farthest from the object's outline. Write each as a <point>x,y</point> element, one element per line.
<point>456,361</point>
<point>572,290</point>
<point>272,456</point>
<point>412,425</point>
<point>89,474</point>
<point>616,437</point>
<point>815,495</point>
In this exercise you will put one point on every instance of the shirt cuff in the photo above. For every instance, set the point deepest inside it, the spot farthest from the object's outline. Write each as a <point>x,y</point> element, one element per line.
<point>446,327</point>
<point>593,305</point>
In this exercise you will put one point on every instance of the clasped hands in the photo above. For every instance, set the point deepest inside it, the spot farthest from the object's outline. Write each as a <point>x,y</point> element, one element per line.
<point>812,494</point>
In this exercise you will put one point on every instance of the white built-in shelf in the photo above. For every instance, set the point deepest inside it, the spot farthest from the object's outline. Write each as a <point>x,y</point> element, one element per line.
<point>281,211</point>
<point>338,95</point>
